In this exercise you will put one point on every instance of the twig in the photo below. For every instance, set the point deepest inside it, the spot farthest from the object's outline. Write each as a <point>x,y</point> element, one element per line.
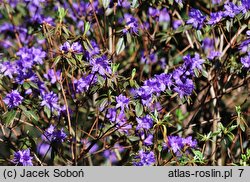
<point>233,40</point>
<point>186,32</point>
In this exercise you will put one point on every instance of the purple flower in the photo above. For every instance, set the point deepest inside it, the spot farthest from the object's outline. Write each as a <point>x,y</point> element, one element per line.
<point>145,94</point>
<point>24,75</point>
<point>145,122</point>
<point>189,142</point>
<point>50,100</point>
<point>59,135</point>
<point>193,63</point>
<point>65,47</point>
<point>122,123</point>
<point>215,18</point>
<point>100,65</point>
<point>30,57</point>
<point>216,1</point>
<point>164,16</point>
<point>178,1</point>
<point>120,120</point>
<point>52,76</point>
<point>149,140</point>
<point>111,155</point>
<point>208,44</point>
<point>231,10</point>
<point>184,88</point>
<point>145,158</point>
<point>86,143</point>
<point>38,55</point>
<point>94,51</point>
<point>8,69</point>
<point>155,84</point>
<point>28,91</point>
<point>178,144</point>
<point>166,79</point>
<point>124,4</point>
<point>179,74</point>
<point>6,44</point>
<point>177,24</point>
<point>246,61</point>
<point>75,47</point>
<point>13,99</point>
<point>131,24</point>
<point>54,135</point>
<point>122,102</point>
<point>153,12</point>
<point>245,45</point>
<point>196,18</point>
<point>23,157</point>
<point>83,84</point>
<point>175,143</point>
<point>44,148</point>
<point>150,59</point>
<point>246,5</point>
<point>213,54</point>
<point>111,115</point>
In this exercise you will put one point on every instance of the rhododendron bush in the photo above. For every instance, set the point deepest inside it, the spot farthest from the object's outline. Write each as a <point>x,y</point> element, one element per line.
<point>124,82</point>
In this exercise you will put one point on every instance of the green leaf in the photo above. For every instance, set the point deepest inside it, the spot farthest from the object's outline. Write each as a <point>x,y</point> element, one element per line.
<point>72,61</point>
<point>135,4</point>
<point>228,25</point>
<point>61,13</point>
<point>120,46</point>
<point>105,3</point>
<point>57,59</point>
<point>47,111</point>
<point>199,35</point>
<point>133,138</point>
<point>231,136</point>
<point>171,2</point>
<point>31,115</point>
<point>204,73</point>
<point>196,72</point>
<point>66,31</point>
<point>34,85</point>
<point>26,86</point>
<point>115,67</point>
<point>9,117</point>
<point>138,109</point>
<point>86,28</point>
<point>133,73</point>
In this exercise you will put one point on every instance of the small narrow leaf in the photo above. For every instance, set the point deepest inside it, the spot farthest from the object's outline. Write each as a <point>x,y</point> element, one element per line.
<point>120,46</point>
<point>135,4</point>
<point>9,117</point>
<point>105,3</point>
<point>86,28</point>
<point>138,109</point>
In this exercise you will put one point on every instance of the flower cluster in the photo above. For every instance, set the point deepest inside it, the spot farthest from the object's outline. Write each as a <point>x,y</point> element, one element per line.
<point>76,47</point>
<point>13,99</point>
<point>23,157</point>
<point>145,158</point>
<point>178,81</point>
<point>54,135</point>
<point>131,24</point>
<point>180,145</point>
<point>245,47</point>
<point>196,18</point>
